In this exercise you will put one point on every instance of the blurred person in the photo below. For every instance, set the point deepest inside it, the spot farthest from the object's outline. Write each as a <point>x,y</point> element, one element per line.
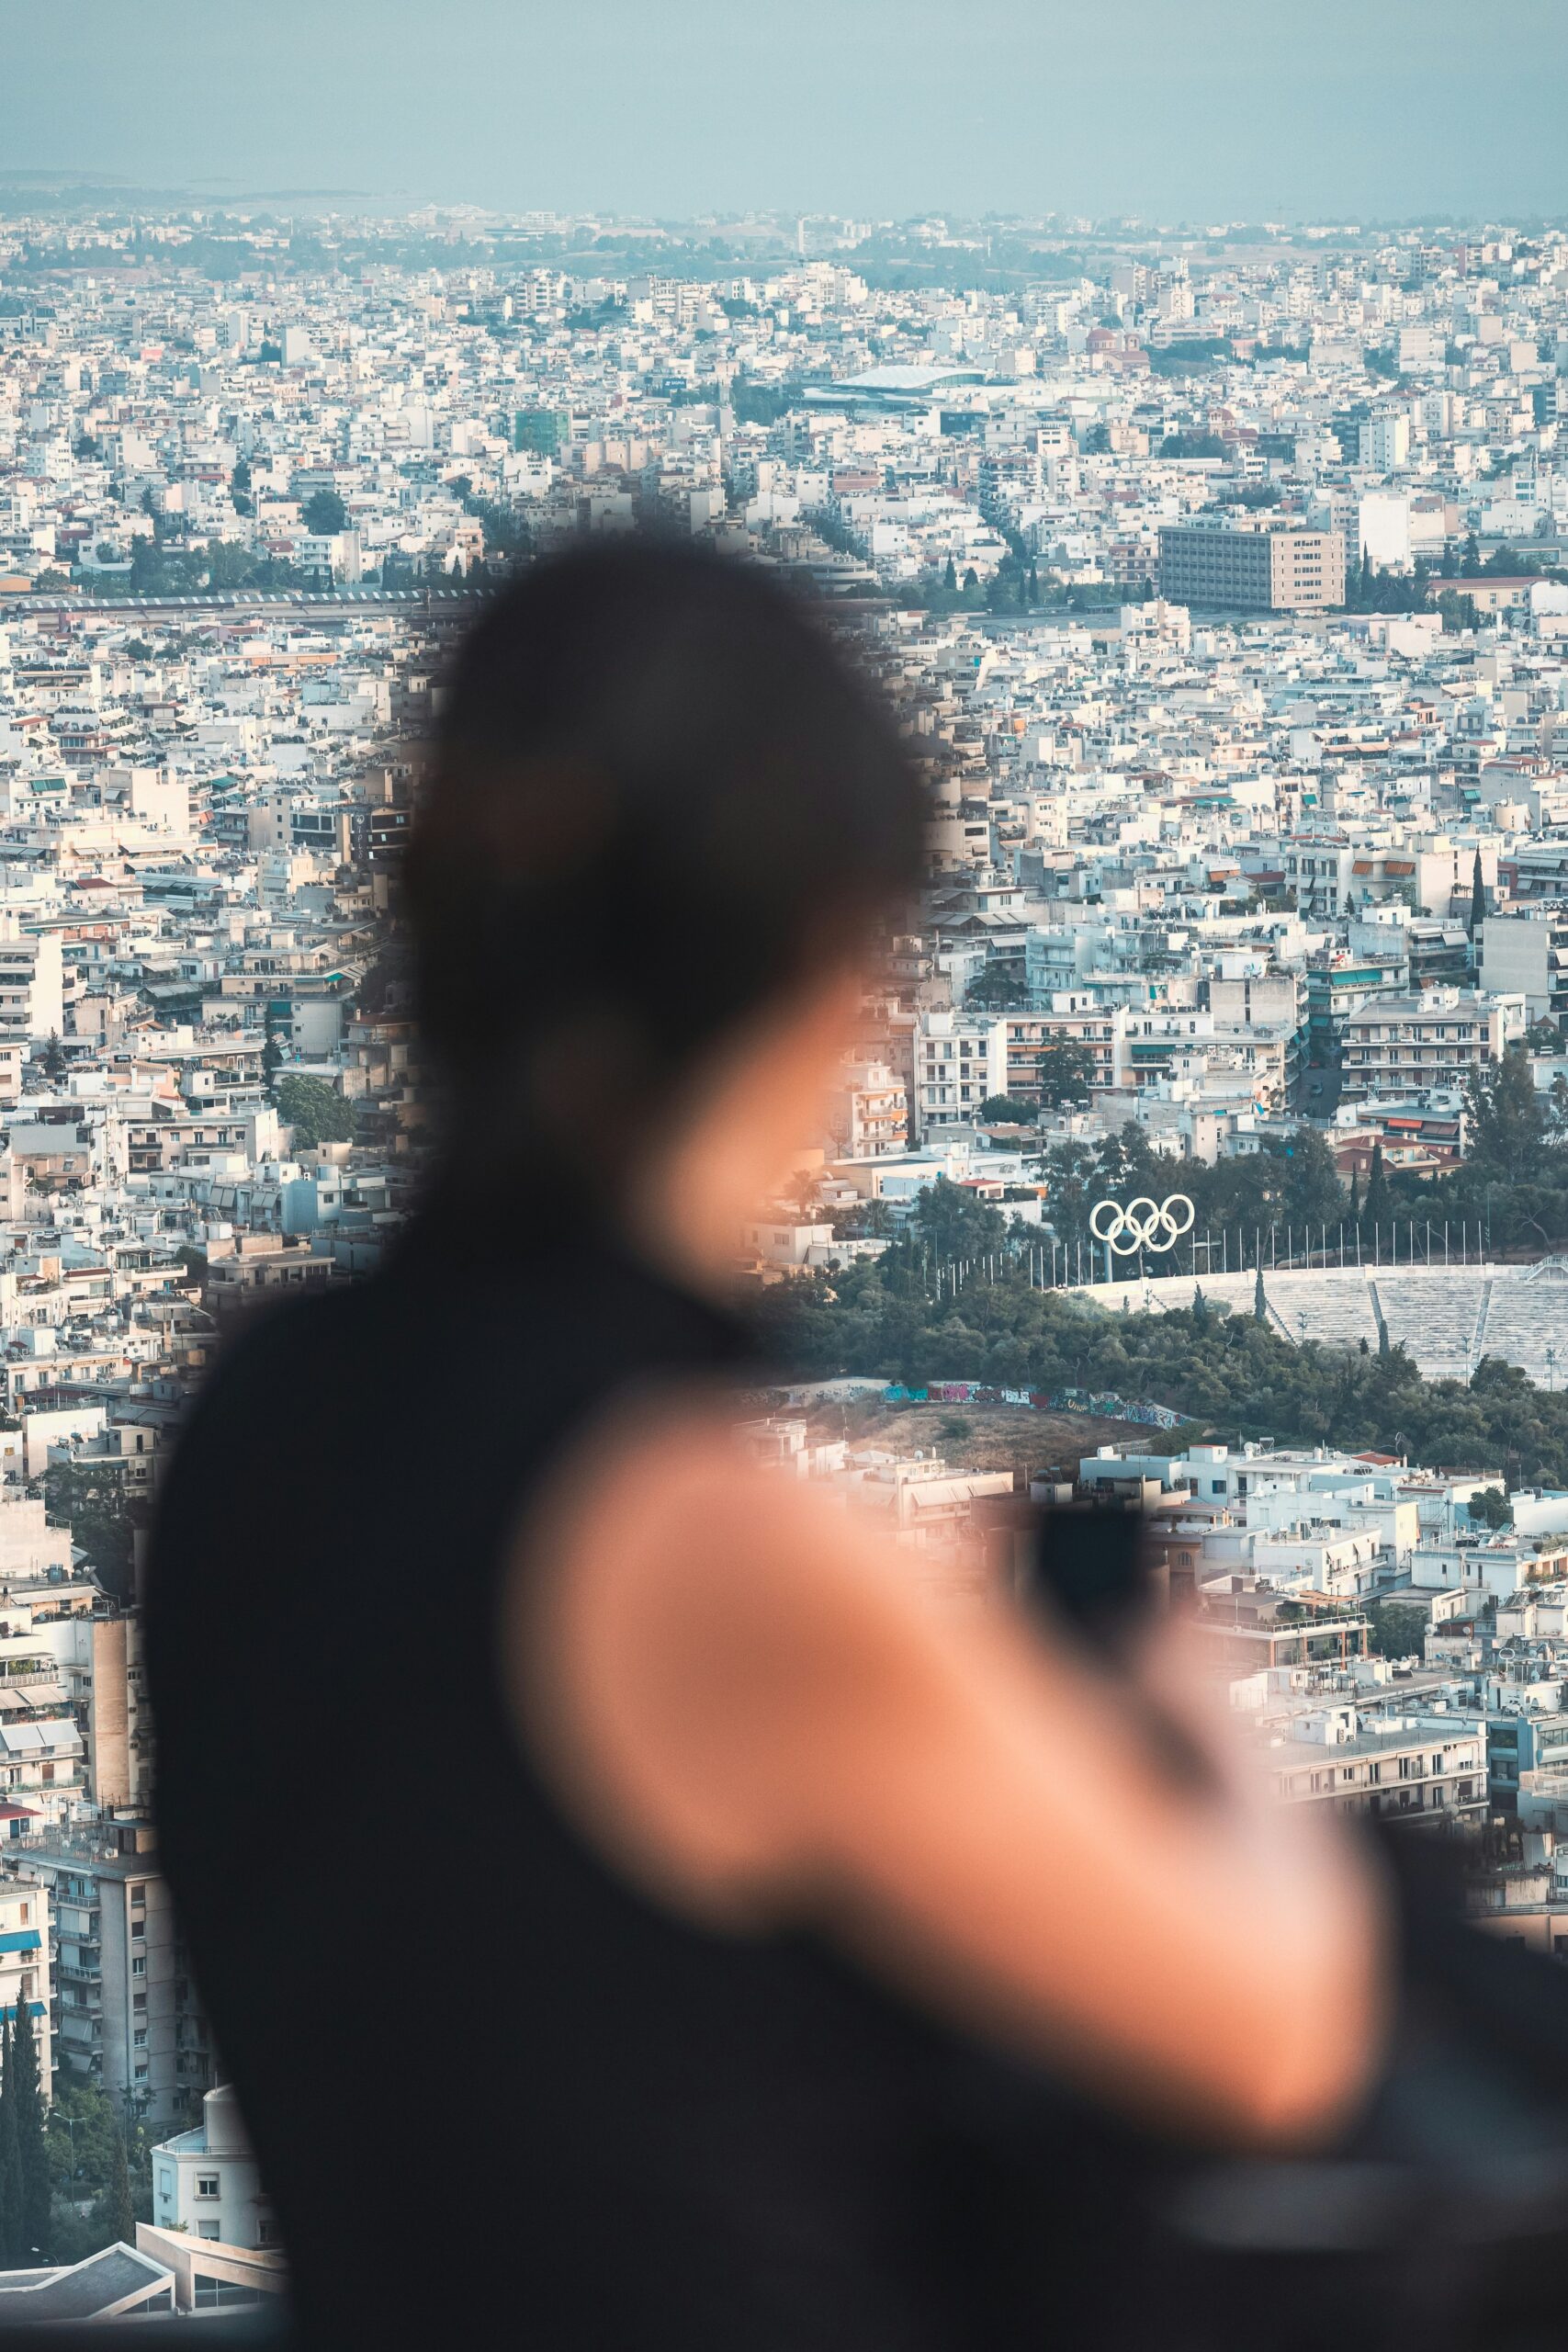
<point>599,1863</point>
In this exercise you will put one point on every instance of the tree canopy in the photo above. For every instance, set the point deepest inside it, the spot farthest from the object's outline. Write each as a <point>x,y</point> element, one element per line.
<point>325,513</point>
<point>1231,1373</point>
<point>316,1112</point>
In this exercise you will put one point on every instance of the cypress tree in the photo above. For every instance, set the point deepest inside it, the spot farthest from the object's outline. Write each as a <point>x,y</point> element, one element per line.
<point>1377,1187</point>
<point>11,2231</point>
<point>1477,900</point>
<point>1259,1297</point>
<point>119,2216</point>
<point>25,2089</point>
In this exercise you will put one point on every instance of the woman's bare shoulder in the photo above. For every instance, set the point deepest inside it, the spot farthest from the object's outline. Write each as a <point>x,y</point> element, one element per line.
<point>671,1598</point>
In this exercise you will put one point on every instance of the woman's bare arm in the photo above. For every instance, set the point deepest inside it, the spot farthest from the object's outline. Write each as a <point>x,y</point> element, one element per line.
<point>743,1699</point>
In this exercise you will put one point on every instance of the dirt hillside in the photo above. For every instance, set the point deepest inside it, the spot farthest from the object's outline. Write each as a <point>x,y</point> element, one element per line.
<point>986,1437</point>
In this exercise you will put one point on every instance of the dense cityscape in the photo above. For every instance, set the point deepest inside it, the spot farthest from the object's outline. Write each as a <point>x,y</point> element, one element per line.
<point>1221,576</point>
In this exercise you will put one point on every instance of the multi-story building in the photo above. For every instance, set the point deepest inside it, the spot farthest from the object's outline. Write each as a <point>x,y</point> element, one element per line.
<point>868,1111</point>
<point>1081,1021</point>
<point>126,2013</point>
<point>1252,566</point>
<point>32,981</point>
<point>960,1059</point>
<point>1338,987</point>
<point>1394,1044</point>
<point>1528,954</point>
<point>25,1965</point>
<point>1430,1769</point>
<point>207,2181</point>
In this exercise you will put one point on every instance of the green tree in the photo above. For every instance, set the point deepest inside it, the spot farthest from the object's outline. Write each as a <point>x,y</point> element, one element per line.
<point>1064,1072</point>
<point>1397,1629</point>
<point>1490,1508</point>
<point>24,2090</point>
<point>954,1224</point>
<point>54,1058</point>
<point>1309,1186</point>
<point>91,1502</point>
<point>1378,1199</point>
<point>316,1112</point>
<point>1477,900</point>
<point>1507,1125</point>
<point>1005,1110</point>
<point>119,2211</point>
<point>998,988</point>
<point>325,513</point>
<point>13,2246</point>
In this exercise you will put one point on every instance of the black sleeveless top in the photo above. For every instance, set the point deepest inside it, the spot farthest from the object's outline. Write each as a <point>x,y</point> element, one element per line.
<point>497,2094</point>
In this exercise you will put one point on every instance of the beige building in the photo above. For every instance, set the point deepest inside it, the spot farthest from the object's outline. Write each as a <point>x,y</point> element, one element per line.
<point>24,1964</point>
<point>868,1111</point>
<point>1396,1044</point>
<point>1259,566</point>
<point>1432,1771</point>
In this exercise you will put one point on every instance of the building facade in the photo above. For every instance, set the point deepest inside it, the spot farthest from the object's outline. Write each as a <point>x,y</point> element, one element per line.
<point>126,2013</point>
<point>1251,566</point>
<point>1395,1044</point>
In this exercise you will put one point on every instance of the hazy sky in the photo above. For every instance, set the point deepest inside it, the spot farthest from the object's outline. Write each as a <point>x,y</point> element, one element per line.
<point>1196,109</point>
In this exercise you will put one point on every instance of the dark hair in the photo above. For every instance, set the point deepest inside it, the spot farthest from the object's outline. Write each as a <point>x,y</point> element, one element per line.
<point>661,791</point>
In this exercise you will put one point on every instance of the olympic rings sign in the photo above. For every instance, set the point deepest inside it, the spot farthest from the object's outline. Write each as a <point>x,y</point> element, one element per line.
<point>1142,1223</point>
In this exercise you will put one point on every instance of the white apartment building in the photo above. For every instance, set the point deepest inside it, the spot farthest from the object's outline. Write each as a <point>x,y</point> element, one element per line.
<point>1156,1044</point>
<point>32,982</point>
<point>1396,1044</point>
<point>1431,1769</point>
<point>1384,441</point>
<point>960,1059</point>
<point>207,2182</point>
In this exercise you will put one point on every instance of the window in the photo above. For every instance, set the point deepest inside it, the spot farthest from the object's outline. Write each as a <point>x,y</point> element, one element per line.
<point>208,2230</point>
<point>207,2184</point>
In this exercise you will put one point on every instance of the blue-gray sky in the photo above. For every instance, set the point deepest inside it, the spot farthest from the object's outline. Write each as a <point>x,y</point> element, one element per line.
<point>1195,110</point>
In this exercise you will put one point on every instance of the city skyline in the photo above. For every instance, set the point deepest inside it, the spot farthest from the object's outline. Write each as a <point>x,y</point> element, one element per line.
<point>1410,111</point>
